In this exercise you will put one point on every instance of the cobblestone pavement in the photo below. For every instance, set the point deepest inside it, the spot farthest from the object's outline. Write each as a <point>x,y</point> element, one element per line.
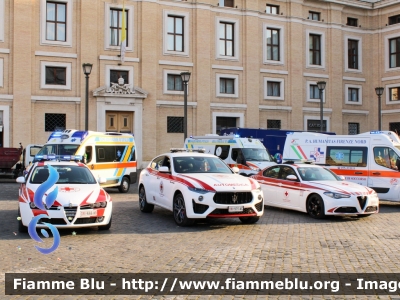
<point>282,242</point>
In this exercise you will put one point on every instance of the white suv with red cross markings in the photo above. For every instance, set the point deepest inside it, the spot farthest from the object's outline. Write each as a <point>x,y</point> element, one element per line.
<point>197,186</point>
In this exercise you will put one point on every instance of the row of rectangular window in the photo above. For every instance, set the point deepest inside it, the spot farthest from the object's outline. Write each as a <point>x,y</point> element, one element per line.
<point>227,86</point>
<point>56,31</point>
<point>57,76</point>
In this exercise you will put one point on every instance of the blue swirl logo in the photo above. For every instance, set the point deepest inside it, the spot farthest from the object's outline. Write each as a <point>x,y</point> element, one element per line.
<point>278,157</point>
<point>50,199</point>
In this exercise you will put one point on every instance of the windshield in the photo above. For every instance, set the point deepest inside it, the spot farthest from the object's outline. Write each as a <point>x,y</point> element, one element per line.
<point>317,174</point>
<point>59,149</point>
<point>252,154</point>
<point>199,164</point>
<point>67,175</point>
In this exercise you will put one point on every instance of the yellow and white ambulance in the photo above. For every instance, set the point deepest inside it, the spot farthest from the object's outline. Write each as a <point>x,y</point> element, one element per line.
<point>107,154</point>
<point>248,154</point>
<point>370,159</point>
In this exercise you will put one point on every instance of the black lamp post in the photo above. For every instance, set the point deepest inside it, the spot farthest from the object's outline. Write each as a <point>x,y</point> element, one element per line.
<point>87,69</point>
<point>379,92</point>
<point>185,79</point>
<point>321,87</point>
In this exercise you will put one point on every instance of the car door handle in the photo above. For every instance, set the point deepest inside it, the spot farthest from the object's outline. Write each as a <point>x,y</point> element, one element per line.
<point>376,173</point>
<point>172,182</point>
<point>358,172</point>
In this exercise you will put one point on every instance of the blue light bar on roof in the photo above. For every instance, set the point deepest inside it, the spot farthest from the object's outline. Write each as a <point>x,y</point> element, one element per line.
<point>80,135</point>
<point>376,132</point>
<point>69,157</point>
<point>55,134</point>
<point>49,157</point>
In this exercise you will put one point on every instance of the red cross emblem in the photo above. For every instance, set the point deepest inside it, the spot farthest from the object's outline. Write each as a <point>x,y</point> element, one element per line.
<point>67,189</point>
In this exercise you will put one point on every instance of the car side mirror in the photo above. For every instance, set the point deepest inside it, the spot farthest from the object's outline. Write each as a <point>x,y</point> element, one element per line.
<point>291,177</point>
<point>20,179</point>
<point>342,177</point>
<point>102,180</point>
<point>163,169</point>
<point>235,170</point>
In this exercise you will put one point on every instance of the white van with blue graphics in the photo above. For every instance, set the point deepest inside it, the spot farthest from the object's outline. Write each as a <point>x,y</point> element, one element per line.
<point>248,154</point>
<point>107,154</point>
<point>370,159</point>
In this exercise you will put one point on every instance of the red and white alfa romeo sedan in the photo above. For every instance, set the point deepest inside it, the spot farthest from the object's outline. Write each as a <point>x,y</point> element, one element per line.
<point>66,192</point>
<point>315,190</point>
<point>196,186</point>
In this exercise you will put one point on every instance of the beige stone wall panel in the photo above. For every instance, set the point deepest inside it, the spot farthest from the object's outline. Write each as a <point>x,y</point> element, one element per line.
<point>149,58</point>
<point>284,116</point>
<point>40,109</point>
<point>8,29</point>
<point>172,140</point>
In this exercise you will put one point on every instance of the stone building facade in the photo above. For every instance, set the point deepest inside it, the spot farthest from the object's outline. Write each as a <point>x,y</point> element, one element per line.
<point>252,63</point>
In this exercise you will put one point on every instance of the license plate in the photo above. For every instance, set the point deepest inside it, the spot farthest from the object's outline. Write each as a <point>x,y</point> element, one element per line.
<point>235,208</point>
<point>88,213</point>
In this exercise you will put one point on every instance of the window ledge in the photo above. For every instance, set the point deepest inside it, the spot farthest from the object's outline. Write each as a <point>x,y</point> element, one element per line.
<point>274,62</point>
<point>274,98</point>
<point>352,103</point>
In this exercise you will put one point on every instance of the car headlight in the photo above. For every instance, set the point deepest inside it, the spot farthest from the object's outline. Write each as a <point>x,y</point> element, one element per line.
<point>254,168</point>
<point>196,190</point>
<point>336,195</point>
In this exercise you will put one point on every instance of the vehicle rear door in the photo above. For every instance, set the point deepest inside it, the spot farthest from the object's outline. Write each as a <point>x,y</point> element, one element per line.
<point>270,184</point>
<point>384,176</point>
<point>165,186</point>
<point>350,162</point>
<point>155,184</point>
<point>289,192</point>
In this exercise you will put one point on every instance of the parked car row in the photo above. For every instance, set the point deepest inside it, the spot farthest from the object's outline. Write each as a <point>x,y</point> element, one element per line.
<point>192,185</point>
<point>198,185</point>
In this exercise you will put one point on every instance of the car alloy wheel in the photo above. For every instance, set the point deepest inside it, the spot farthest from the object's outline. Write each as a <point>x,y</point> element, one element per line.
<point>315,206</point>
<point>180,216</point>
<point>143,205</point>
